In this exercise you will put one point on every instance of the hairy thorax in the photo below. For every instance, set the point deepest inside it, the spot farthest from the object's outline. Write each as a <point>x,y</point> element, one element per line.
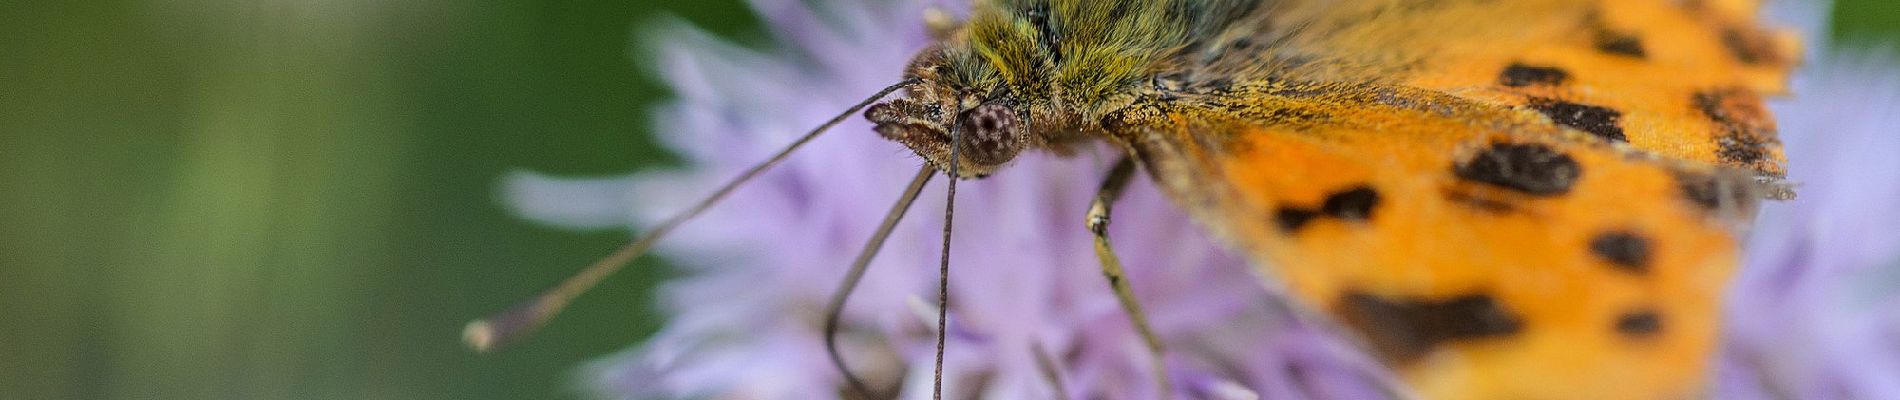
<point>1042,75</point>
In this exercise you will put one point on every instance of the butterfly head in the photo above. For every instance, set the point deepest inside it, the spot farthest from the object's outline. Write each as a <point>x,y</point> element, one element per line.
<point>943,115</point>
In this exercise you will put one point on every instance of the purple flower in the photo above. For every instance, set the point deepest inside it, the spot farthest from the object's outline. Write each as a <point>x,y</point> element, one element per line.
<point>1814,315</point>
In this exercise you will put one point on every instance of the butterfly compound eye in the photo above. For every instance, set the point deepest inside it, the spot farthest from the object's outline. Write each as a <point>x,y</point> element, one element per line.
<point>991,134</point>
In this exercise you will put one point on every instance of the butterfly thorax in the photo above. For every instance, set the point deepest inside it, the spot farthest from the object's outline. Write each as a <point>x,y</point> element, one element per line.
<point>1038,74</point>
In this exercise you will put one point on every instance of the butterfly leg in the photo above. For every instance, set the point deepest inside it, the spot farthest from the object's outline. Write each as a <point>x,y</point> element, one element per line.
<point>1105,197</point>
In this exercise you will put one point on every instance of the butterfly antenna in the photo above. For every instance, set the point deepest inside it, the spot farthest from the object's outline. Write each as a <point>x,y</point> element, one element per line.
<point>943,263</point>
<point>835,310</point>
<point>500,328</point>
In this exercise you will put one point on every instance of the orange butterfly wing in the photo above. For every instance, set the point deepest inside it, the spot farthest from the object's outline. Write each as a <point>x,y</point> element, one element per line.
<point>1485,253</point>
<point>1679,79</point>
<point>1526,199</point>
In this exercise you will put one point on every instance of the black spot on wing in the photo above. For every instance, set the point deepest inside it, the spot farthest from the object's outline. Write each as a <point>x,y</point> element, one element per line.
<point>1613,41</point>
<point>1640,324</point>
<point>1528,168</point>
<point>1351,204</point>
<point>1620,44</point>
<point>1292,219</point>
<point>1625,250</point>
<point>1403,330</point>
<point>1751,46</point>
<point>1747,134</point>
<point>1355,204</point>
<point>1743,149</point>
<point>1600,121</point>
<point>1520,75</point>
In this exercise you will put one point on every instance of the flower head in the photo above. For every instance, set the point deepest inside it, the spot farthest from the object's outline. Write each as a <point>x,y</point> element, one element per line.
<point>1026,287</point>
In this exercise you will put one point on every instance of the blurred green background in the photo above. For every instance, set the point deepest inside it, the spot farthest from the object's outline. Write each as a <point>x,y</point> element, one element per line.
<point>296,198</point>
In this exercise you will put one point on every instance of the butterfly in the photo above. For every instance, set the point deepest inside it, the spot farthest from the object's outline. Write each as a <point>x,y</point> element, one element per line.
<point>1500,199</point>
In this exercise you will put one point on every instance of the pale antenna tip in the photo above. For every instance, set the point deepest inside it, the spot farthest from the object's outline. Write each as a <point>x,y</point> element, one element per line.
<point>479,336</point>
